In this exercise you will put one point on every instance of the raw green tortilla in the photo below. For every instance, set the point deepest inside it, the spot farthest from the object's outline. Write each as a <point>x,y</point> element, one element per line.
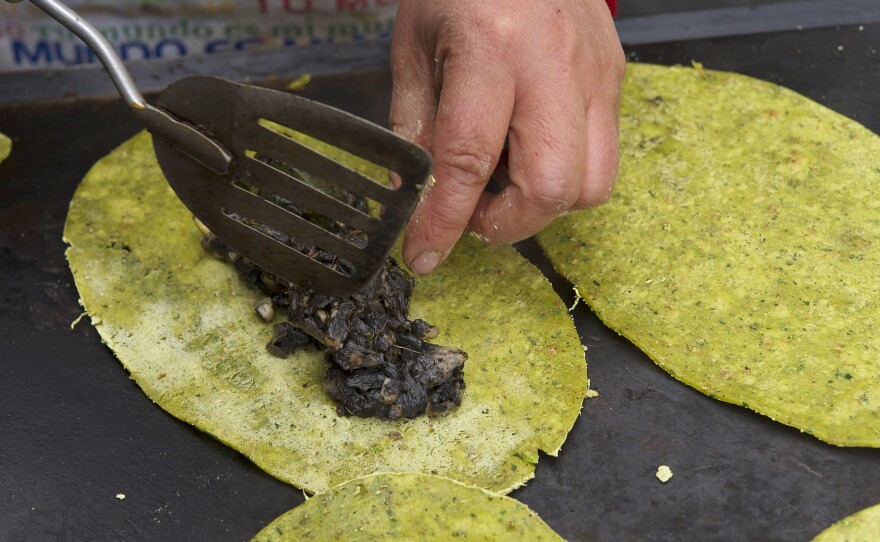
<point>5,147</point>
<point>862,526</point>
<point>181,322</point>
<point>408,507</point>
<point>741,249</point>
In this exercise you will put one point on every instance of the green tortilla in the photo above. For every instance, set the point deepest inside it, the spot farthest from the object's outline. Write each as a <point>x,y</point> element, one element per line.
<point>741,249</point>
<point>408,507</point>
<point>5,147</point>
<point>181,322</point>
<point>862,526</point>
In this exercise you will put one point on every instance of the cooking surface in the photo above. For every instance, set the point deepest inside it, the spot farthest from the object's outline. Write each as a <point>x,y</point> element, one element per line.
<point>75,431</point>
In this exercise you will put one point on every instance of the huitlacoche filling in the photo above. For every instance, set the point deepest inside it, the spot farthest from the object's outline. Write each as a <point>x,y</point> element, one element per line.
<point>380,362</point>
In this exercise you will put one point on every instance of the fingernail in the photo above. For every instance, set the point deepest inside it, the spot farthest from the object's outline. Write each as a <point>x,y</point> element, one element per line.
<point>425,262</point>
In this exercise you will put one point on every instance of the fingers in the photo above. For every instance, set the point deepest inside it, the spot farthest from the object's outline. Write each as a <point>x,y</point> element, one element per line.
<point>602,152</point>
<point>564,155</point>
<point>546,166</point>
<point>603,118</point>
<point>557,179</point>
<point>557,93</point>
<point>471,123</point>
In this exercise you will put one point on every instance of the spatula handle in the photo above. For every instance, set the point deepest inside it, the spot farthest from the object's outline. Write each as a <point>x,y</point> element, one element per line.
<point>102,48</point>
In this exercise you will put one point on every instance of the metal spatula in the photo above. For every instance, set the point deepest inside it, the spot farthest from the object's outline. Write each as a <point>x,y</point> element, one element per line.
<point>222,159</point>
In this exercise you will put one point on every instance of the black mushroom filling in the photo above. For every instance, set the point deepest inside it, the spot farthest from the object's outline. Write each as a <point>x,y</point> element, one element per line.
<point>380,362</point>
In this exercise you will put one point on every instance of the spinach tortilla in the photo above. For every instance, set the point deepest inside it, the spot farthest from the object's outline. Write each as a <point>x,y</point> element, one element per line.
<point>181,322</point>
<point>5,147</point>
<point>408,507</point>
<point>740,249</point>
<point>863,526</point>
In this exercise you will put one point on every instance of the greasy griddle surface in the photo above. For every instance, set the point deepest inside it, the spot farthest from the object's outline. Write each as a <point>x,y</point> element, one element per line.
<point>76,431</point>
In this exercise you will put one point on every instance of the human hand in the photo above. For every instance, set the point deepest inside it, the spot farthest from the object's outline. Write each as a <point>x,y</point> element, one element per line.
<point>546,74</point>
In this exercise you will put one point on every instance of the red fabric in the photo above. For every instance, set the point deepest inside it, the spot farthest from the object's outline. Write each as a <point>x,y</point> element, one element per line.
<point>612,5</point>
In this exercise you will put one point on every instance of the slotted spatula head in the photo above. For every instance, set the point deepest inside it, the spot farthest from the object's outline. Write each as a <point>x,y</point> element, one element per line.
<point>268,165</point>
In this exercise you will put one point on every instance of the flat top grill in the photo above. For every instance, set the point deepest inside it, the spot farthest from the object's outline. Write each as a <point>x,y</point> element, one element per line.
<point>76,431</point>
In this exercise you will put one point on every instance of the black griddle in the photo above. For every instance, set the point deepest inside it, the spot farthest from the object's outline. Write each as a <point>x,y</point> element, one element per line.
<point>75,431</point>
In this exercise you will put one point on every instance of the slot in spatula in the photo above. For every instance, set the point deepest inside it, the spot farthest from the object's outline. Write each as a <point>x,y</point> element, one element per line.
<point>242,178</point>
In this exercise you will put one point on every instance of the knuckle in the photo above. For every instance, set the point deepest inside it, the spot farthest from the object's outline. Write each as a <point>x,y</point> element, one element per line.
<point>567,43</point>
<point>442,222</point>
<point>593,195</point>
<point>611,63</point>
<point>498,30</point>
<point>554,194</point>
<point>464,165</point>
<point>597,189</point>
<point>482,30</point>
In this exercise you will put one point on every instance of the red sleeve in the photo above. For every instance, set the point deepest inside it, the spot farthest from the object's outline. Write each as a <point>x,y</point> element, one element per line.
<point>612,5</point>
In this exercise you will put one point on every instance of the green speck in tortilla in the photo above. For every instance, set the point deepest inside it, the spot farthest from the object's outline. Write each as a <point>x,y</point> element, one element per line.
<point>862,526</point>
<point>741,248</point>
<point>182,323</point>
<point>408,507</point>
